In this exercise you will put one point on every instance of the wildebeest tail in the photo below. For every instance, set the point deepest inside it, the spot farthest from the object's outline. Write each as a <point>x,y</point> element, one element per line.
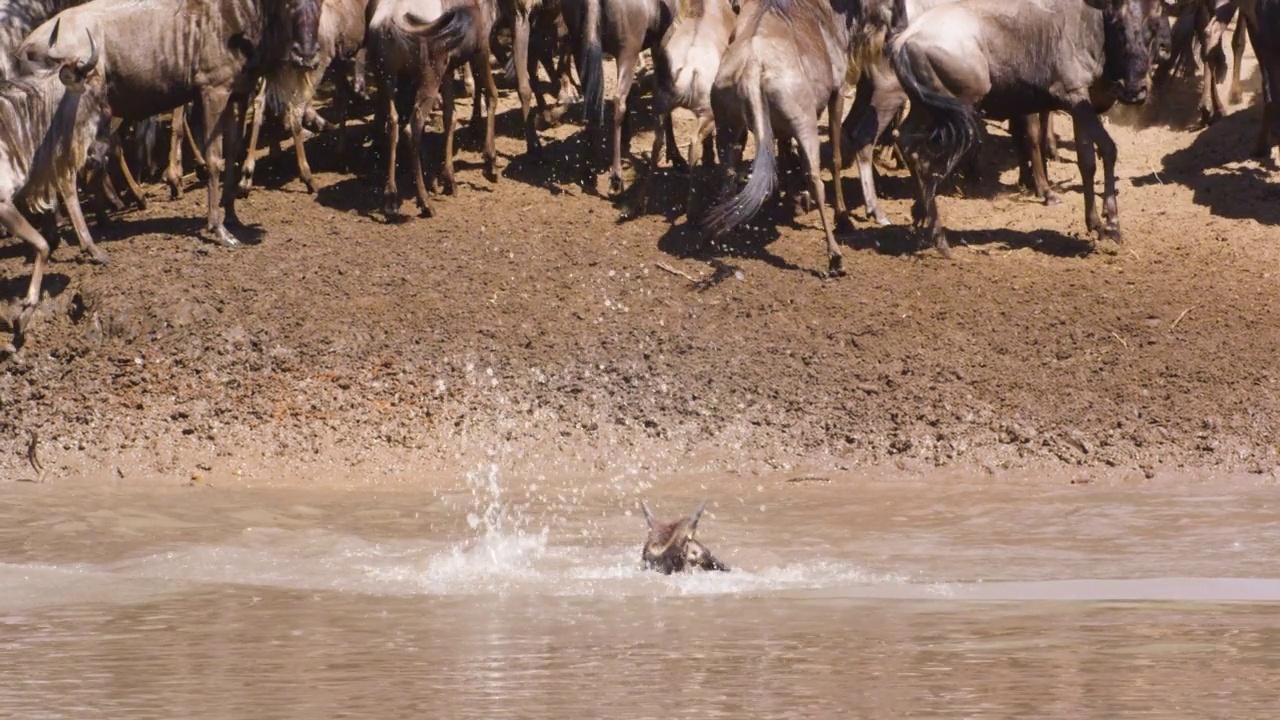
<point>955,122</point>
<point>592,63</point>
<point>741,207</point>
<point>449,32</point>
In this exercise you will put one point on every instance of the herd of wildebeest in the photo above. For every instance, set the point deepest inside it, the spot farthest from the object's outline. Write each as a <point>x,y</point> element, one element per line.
<point>78,79</point>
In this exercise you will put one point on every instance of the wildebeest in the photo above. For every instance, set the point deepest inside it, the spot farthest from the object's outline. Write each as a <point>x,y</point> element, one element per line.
<point>290,89</point>
<point>685,64</point>
<point>414,46</point>
<point>1262,18</point>
<point>880,98</point>
<point>671,546</point>
<point>786,64</point>
<point>48,121</point>
<point>1202,23</point>
<point>526,16</point>
<point>160,54</point>
<point>1013,59</point>
<point>17,19</point>
<point>621,29</point>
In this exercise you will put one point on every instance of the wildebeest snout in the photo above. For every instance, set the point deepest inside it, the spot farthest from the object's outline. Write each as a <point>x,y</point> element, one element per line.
<point>672,547</point>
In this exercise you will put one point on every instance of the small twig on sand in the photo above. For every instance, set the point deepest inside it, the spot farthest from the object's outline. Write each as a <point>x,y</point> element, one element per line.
<point>33,457</point>
<point>1182,315</point>
<point>1116,335</point>
<point>676,271</point>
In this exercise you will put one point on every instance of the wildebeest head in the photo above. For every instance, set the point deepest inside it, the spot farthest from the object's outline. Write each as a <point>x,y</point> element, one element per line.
<point>1128,30</point>
<point>671,547</point>
<point>297,31</point>
<point>73,72</point>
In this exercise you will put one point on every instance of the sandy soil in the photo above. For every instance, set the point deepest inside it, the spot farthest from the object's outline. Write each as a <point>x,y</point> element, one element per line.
<point>526,326</point>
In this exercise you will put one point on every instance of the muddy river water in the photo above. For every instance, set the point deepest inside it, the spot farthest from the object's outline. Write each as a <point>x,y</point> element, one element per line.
<point>507,597</point>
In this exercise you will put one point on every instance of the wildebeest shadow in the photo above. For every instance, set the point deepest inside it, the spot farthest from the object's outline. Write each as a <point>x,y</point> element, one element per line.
<point>687,241</point>
<point>1222,176</point>
<point>361,194</point>
<point>183,228</point>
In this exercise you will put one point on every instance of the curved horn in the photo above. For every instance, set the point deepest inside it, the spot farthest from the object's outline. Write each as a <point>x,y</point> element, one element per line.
<point>87,65</point>
<point>697,515</point>
<point>648,514</point>
<point>53,40</point>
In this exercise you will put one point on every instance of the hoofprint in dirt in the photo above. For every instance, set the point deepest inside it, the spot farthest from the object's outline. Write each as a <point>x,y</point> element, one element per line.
<point>526,326</point>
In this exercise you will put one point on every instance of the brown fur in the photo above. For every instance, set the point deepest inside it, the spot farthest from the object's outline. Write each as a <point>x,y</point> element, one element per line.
<point>671,546</point>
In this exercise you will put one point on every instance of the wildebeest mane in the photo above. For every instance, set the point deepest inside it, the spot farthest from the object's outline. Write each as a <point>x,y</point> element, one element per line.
<point>29,105</point>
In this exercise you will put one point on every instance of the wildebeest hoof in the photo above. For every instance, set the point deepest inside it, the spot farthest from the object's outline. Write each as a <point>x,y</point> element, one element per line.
<point>224,238</point>
<point>448,186</point>
<point>835,267</point>
<point>844,223</point>
<point>491,172</point>
<point>615,184</point>
<point>97,255</point>
<point>1051,198</point>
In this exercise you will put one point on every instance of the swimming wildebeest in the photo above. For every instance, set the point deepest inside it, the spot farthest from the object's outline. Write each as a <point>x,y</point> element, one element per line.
<point>685,65</point>
<point>1011,59</point>
<point>48,121</point>
<point>671,546</point>
<point>160,54</point>
<point>786,64</point>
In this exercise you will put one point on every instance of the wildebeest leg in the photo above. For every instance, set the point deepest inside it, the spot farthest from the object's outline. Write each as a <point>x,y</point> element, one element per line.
<point>434,75</point>
<point>71,201</point>
<point>390,193</point>
<point>294,114</point>
<point>481,65</point>
<point>640,204</point>
<point>343,91</point>
<point>251,158</point>
<point>232,147</point>
<point>520,47</point>
<point>359,70</point>
<point>447,109</point>
<point>701,151</point>
<point>216,102</point>
<point>672,147</point>
<point>130,182</point>
<point>1032,172</point>
<point>872,112</point>
<point>807,137</point>
<point>628,56</point>
<point>835,111</point>
<point>1209,33</point>
<point>1236,96</point>
<point>1090,132</point>
<point>173,172</point>
<point>18,226</point>
<point>1048,138</point>
<point>108,190</point>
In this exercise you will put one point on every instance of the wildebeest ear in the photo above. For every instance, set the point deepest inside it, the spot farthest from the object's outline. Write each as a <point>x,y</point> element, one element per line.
<point>648,515</point>
<point>693,519</point>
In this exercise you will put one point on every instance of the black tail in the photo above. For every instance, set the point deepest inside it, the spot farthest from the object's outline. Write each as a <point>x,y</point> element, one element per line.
<point>592,67</point>
<point>955,126</point>
<point>740,208</point>
<point>447,33</point>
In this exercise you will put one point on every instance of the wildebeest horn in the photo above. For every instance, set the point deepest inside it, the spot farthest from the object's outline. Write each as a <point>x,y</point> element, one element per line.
<point>693,519</point>
<point>89,64</point>
<point>53,39</point>
<point>648,514</point>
